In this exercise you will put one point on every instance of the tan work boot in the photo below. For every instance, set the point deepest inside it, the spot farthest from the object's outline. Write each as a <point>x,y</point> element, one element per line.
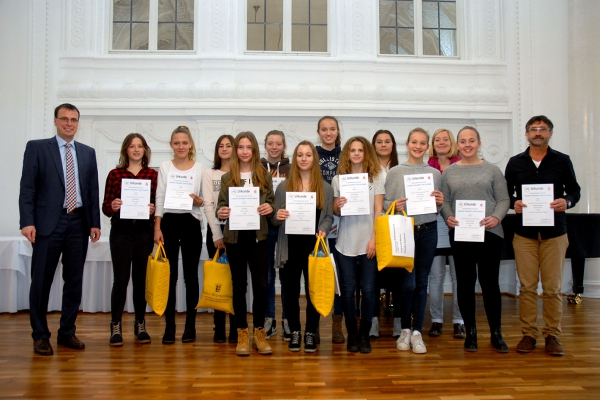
<point>243,343</point>
<point>260,341</point>
<point>337,335</point>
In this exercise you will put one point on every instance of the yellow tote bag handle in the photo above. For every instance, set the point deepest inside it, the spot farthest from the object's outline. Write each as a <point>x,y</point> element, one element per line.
<point>321,241</point>
<point>160,252</point>
<point>392,208</point>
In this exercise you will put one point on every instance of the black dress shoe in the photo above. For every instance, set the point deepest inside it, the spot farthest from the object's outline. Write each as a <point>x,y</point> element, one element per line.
<point>471,339</point>
<point>498,342</point>
<point>71,342</point>
<point>43,347</point>
<point>436,329</point>
<point>459,331</point>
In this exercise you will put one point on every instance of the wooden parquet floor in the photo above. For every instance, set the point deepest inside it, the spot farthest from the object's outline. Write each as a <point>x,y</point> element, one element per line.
<point>207,370</point>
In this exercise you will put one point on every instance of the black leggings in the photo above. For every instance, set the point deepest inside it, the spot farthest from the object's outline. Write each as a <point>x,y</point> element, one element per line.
<point>185,231</point>
<point>131,243</point>
<point>478,260</point>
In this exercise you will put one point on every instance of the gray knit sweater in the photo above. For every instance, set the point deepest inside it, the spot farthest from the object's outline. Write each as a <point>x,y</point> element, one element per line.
<point>476,182</point>
<point>394,186</point>
<point>325,220</point>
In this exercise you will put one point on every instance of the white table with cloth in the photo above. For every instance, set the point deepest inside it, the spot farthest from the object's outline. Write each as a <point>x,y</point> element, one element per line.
<point>15,279</point>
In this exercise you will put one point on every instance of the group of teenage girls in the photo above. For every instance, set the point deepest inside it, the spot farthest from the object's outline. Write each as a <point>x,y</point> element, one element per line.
<point>458,173</point>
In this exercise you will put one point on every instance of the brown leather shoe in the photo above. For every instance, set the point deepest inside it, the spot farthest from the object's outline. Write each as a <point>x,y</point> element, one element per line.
<point>71,342</point>
<point>553,346</point>
<point>43,347</point>
<point>526,345</point>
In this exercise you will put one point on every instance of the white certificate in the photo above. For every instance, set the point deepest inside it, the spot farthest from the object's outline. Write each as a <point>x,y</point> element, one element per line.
<point>244,202</point>
<point>302,207</point>
<point>135,194</point>
<point>355,188</point>
<point>179,187</point>
<point>469,214</point>
<point>538,198</point>
<point>418,190</point>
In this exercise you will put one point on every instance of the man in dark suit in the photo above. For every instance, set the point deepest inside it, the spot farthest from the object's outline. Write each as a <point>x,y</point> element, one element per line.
<point>59,208</point>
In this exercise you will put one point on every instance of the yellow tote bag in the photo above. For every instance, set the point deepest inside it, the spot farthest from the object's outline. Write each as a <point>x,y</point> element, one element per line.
<point>321,279</point>
<point>217,292</point>
<point>395,233</point>
<point>158,274</point>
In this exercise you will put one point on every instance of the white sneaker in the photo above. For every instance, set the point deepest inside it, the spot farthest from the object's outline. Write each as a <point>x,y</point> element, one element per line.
<point>397,328</point>
<point>403,342</point>
<point>374,332</point>
<point>416,342</point>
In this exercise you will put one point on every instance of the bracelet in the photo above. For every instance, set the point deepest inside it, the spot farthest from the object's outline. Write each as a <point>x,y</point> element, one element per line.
<point>157,230</point>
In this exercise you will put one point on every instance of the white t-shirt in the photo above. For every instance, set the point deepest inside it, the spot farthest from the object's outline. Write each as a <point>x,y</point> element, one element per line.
<point>246,179</point>
<point>355,231</point>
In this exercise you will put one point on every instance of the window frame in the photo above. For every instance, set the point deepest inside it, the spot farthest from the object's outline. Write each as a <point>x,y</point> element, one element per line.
<point>418,41</point>
<point>287,34</point>
<point>152,32</point>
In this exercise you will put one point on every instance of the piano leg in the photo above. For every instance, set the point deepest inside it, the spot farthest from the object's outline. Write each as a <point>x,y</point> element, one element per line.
<point>577,269</point>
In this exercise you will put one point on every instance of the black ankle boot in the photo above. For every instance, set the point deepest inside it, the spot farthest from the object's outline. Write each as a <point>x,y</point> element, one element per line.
<point>498,342</point>
<point>169,336</point>
<point>364,341</point>
<point>352,328</point>
<point>471,339</point>
<point>189,333</point>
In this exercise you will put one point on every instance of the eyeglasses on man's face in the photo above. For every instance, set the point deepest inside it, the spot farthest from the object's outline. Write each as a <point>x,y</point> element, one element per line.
<point>66,120</point>
<point>539,129</point>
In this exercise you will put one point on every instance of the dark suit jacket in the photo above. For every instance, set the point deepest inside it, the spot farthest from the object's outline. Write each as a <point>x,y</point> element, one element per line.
<point>42,193</point>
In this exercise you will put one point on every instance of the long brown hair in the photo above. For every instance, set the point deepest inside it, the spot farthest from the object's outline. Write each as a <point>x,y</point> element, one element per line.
<point>186,130</point>
<point>124,159</point>
<point>338,139</point>
<point>217,157</point>
<point>370,162</point>
<point>294,183</point>
<point>259,173</point>
<point>394,154</point>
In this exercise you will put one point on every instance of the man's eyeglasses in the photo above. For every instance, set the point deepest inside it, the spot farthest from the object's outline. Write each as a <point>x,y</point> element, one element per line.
<point>66,120</point>
<point>539,129</point>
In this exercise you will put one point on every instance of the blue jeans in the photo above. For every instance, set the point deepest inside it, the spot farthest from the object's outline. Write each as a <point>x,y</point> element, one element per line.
<point>271,242</point>
<point>414,285</point>
<point>347,268</point>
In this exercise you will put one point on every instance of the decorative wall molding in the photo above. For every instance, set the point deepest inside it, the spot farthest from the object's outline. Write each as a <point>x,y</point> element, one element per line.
<point>78,22</point>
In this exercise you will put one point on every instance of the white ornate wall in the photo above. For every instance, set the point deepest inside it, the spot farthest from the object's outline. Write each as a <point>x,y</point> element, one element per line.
<point>513,64</point>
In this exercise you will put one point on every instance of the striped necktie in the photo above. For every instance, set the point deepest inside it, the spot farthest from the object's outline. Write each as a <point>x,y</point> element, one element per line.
<point>71,187</point>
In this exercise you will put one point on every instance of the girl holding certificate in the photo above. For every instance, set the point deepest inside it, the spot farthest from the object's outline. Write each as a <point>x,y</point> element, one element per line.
<point>179,224</point>
<point>293,249</point>
<point>130,239</point>
<point>385,146</point>
<point>278,166</point>
<point>247,247</point>
<point>443,152</point>
<point>477,185</point>
<point>356,237</point>
<point>412,286</point>
<point>211,183</point>
<point>328,129</point>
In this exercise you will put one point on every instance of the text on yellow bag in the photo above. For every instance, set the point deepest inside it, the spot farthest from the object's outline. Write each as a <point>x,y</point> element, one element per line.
<point>217,291</point>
